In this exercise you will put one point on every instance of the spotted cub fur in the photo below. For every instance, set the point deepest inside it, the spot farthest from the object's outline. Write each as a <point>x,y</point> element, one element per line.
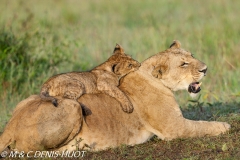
<point>103,78</point>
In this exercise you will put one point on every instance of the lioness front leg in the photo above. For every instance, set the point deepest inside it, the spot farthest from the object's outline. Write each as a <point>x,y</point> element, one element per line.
<point>189,128</point>
<point>115,92</point>
<point>202,128</point>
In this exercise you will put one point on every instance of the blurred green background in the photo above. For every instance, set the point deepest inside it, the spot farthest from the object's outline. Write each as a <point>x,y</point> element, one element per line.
<point>42,38</point>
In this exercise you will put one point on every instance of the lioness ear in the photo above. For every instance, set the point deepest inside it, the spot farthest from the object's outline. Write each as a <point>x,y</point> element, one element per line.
<point>118,49</point>
<point>85,111</point>
<point>176,44</point>
<point>158,71</point>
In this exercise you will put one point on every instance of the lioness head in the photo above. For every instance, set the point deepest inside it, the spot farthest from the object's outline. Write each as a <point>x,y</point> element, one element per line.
<point>178,69</point>
<point>121,63</point>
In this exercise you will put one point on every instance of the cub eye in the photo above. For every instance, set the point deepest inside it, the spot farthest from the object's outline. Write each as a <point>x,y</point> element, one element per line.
<point>130,66</point>
<point>184,64</point>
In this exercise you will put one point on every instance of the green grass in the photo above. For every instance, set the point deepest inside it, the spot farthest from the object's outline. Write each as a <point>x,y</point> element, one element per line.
<point>42,38</point>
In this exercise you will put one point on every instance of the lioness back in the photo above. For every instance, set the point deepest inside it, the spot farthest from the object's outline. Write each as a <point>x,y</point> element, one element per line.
<point>104,78</point>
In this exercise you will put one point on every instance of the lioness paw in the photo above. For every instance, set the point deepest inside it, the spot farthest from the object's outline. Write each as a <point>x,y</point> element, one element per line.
<point>223,127</point>
<point>220,127</point>
<point>226,126</point>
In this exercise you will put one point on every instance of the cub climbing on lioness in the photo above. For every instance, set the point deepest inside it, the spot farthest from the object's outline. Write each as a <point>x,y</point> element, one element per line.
<point>103,78</point>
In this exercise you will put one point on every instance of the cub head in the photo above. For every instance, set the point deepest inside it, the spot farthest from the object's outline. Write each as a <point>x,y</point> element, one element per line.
<point>178,69</point>
<point>121,63</point>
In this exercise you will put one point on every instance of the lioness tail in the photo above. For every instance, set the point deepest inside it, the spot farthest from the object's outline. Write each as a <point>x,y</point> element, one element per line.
<point>46,97</point>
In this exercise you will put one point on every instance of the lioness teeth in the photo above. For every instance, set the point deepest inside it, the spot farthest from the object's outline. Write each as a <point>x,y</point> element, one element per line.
<point>199,84</point>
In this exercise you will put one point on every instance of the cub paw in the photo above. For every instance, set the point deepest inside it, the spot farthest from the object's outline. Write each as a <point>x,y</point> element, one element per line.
<point>127,107</point>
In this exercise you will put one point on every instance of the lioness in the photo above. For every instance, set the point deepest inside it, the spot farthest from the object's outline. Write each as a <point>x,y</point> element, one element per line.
<point>156,111</point>
<point>104,77</point>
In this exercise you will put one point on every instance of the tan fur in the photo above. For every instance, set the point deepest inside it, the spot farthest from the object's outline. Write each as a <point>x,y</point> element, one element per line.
<point>35,124</point>
<point>156,111</point>
<point>104,78</point>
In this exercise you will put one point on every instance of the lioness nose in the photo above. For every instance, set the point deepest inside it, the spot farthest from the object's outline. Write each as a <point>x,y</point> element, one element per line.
<point>204,71</point>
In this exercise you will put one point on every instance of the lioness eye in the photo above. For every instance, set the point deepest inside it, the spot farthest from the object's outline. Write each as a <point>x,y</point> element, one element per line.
<point>184,64</point>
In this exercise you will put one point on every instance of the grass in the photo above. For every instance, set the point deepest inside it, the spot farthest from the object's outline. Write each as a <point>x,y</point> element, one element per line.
<point>42,38</point>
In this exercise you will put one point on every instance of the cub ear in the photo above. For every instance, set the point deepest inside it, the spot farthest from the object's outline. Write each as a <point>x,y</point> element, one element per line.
<point>158,71</point>
<point>118,49</point>
<point>176,44</point>
<point>115,68</point>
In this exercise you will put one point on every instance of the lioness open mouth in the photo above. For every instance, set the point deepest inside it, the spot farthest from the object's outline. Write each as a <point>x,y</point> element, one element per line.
<point>194,87</point>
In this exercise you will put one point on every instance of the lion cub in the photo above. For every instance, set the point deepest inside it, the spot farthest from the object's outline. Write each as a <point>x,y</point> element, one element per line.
<point>103,78</point>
